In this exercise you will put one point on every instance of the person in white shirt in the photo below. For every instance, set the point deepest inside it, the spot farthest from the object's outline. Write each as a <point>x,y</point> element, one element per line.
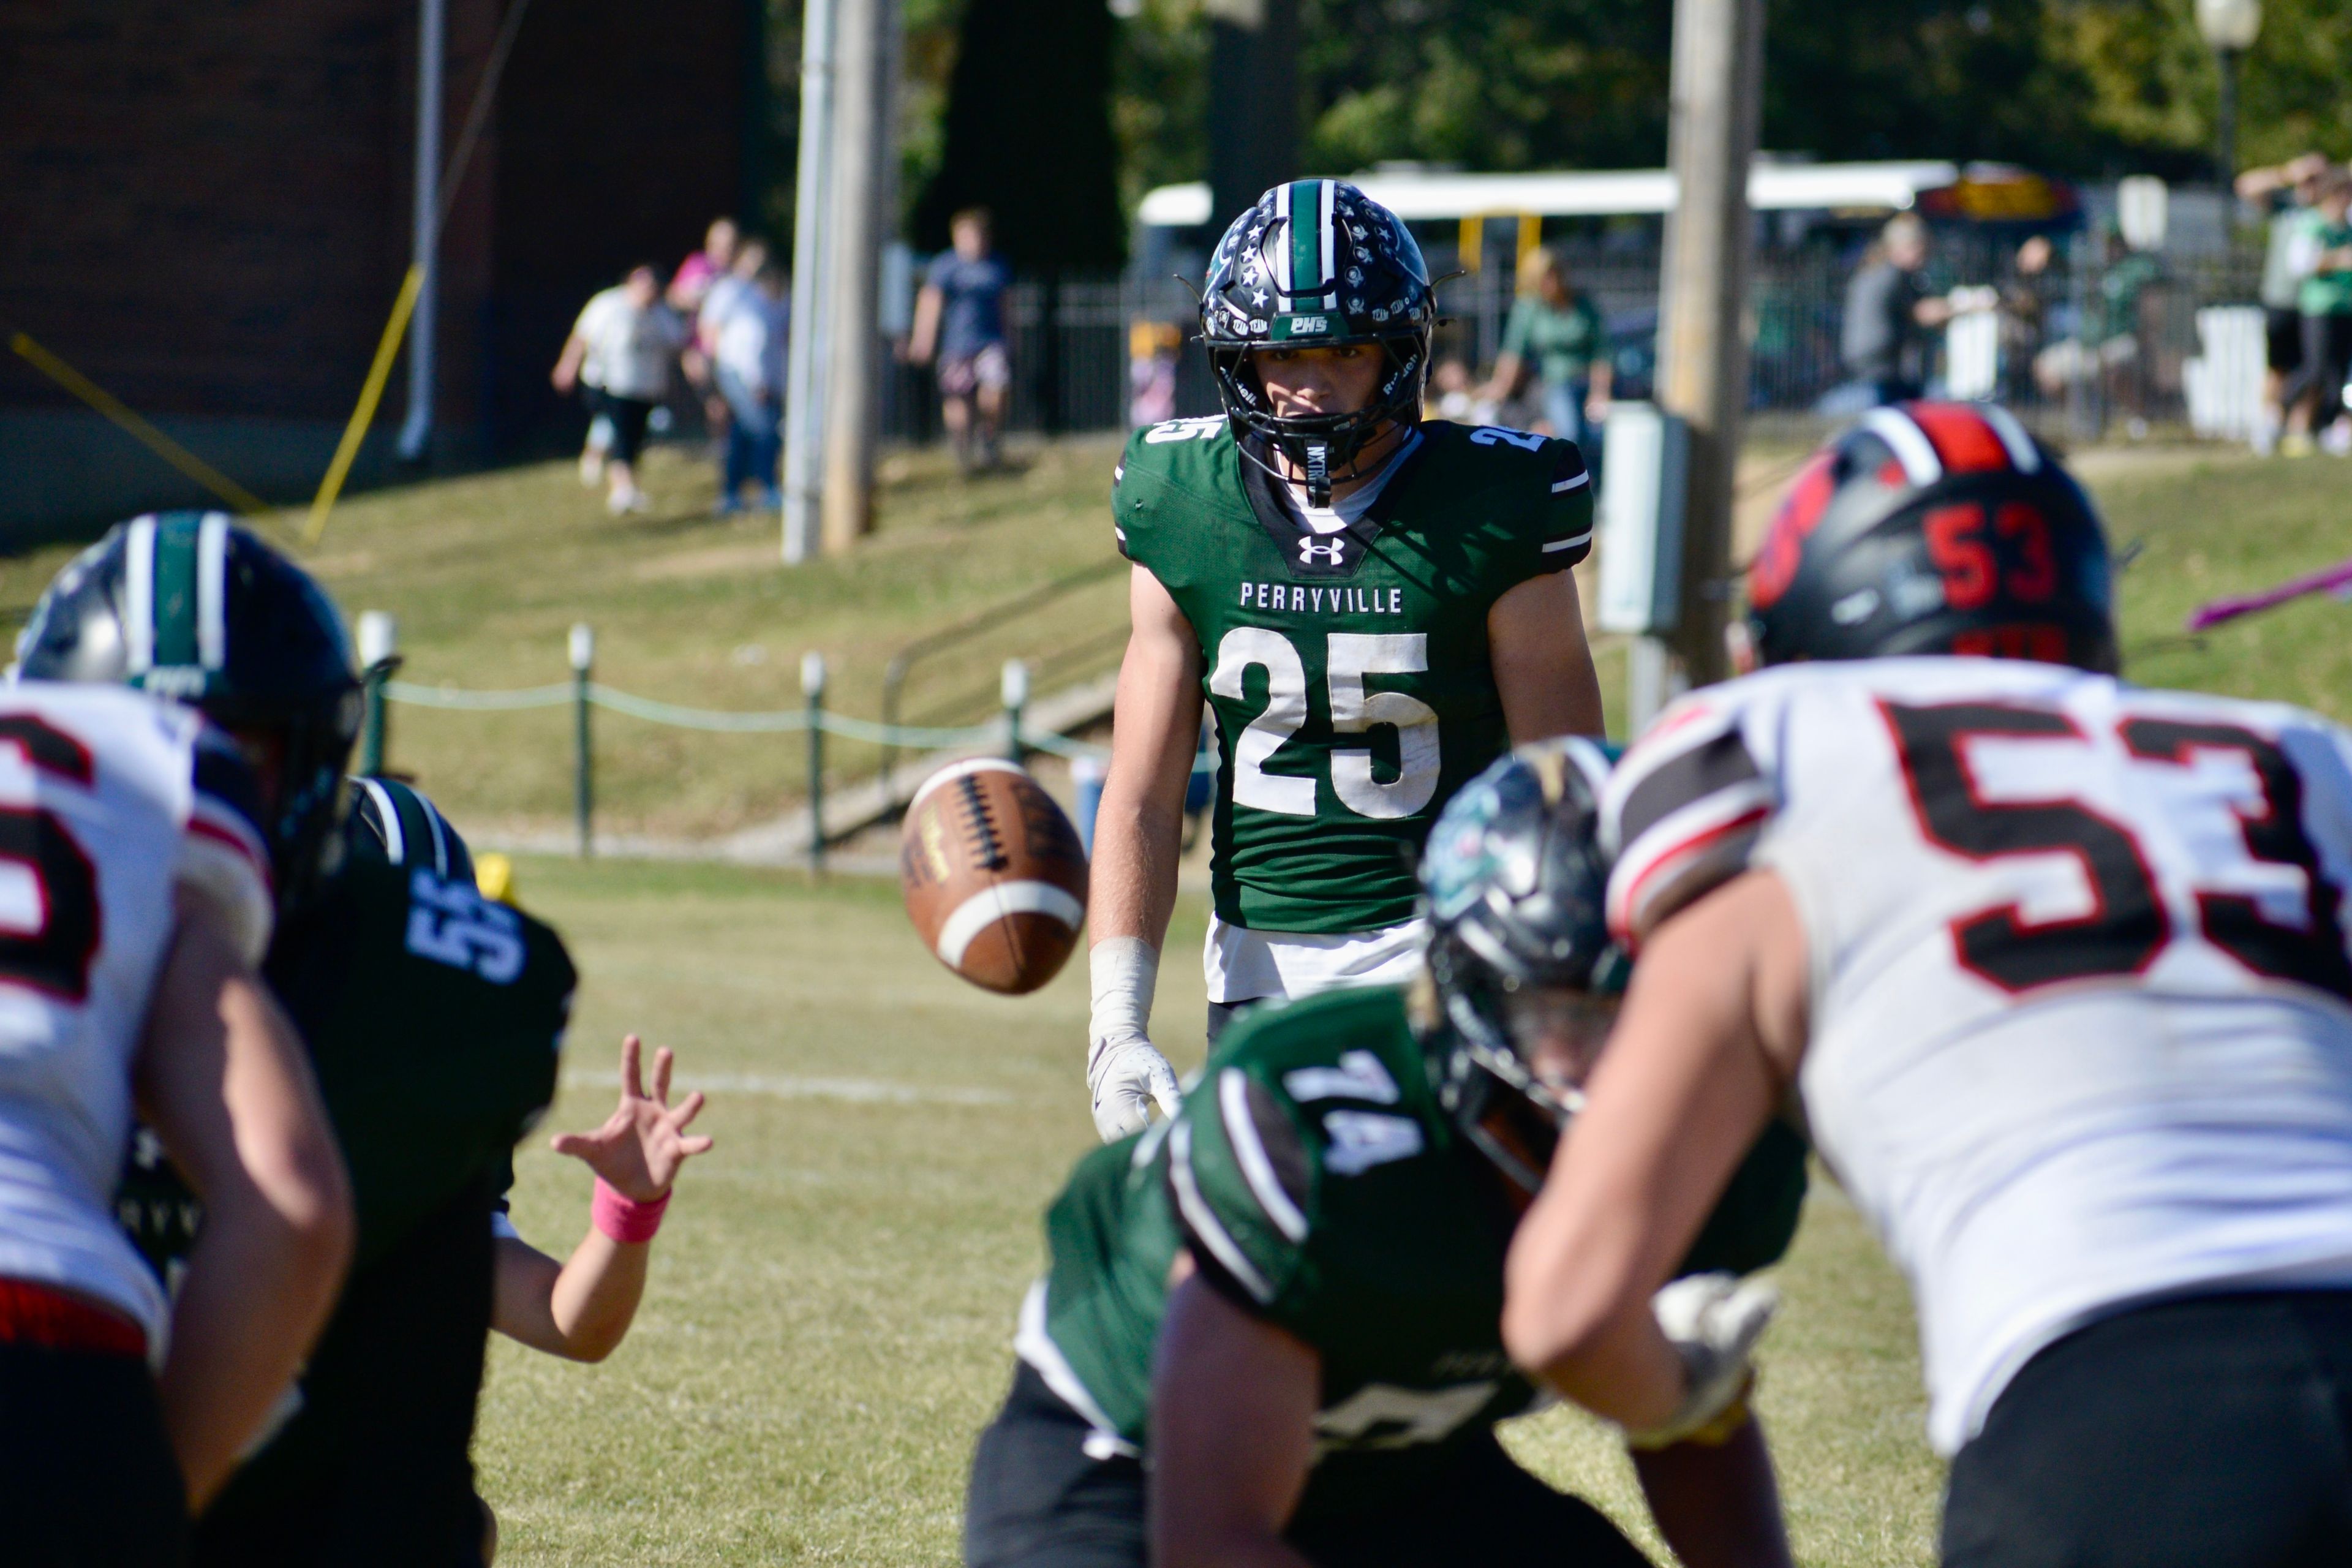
<point>747,359</point>
<point>620,352</point>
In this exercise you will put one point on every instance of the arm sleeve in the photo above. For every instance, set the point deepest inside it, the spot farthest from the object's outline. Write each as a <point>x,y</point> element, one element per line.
<point>1240,1182</point>
<point>222,850</point>
<point>503,1225</point>
<point>1565,538</point>
<point>1123,507</point>
<point>1683,813</point>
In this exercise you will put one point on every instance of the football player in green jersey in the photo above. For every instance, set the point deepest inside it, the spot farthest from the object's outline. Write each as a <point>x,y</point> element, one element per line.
<point>1270,1329</point>
<point>1374,607</point>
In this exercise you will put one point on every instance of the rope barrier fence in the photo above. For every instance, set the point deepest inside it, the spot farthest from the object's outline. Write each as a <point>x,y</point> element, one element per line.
<point>1006,731</point>
<point>777,721</point>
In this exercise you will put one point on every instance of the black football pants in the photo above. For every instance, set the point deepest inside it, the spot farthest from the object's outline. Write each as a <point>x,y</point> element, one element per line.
<point>1039,1500</point>
<point>86,1476</point>
<point>2208,1433</point>
<point>375,1471</point>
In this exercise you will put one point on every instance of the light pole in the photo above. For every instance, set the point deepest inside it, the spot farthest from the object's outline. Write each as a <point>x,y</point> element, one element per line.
<point>2230,29</point>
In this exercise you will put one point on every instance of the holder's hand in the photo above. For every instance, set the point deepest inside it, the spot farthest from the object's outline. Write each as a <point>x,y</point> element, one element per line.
<point>643,1141</point>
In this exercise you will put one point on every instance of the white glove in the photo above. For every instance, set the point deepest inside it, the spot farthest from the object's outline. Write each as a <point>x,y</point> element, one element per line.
<point>1125,1073</point>
<point>1713,1320</point>
<point>1129,1077</point>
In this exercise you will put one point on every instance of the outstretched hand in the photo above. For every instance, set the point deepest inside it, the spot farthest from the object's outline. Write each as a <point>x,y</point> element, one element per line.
<point>643,1141</point>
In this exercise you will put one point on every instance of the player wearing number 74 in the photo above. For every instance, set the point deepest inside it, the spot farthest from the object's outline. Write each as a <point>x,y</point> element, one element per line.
<point>1375,608</point>
<point>2057,968</point>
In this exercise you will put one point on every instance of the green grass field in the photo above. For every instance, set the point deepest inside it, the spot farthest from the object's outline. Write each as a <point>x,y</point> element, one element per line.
<point>831,1312</point>
<point>832,1303</point>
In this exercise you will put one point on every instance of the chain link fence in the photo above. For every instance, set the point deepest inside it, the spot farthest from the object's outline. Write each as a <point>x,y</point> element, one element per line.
<point>2099,338</point>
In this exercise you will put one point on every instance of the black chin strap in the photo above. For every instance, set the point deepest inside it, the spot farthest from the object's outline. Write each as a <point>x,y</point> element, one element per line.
<point>1318,474</point>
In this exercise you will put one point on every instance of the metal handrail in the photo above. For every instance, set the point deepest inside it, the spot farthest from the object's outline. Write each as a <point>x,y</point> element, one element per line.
<point>1045,666</point>
<point>894,674</point>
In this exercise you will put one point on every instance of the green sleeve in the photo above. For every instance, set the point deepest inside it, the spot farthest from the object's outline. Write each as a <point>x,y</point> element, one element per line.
<point>1545,524</point>
<point>1119,494</point>
<point>1519,329</point>
<point>1756,1218</point>
<point>1242,1182</point>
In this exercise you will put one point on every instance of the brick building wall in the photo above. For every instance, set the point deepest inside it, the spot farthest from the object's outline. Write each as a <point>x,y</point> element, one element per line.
<point>208,211</point>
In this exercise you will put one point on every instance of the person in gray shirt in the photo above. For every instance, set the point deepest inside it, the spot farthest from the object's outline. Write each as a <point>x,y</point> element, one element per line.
<point>1881,344</point>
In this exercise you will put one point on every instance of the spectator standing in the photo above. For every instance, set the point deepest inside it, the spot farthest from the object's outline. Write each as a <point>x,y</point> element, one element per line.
<point>2288,191</point>
<point>619,352</point>
<point>748,364</point>
<point>1556,334</point>
<point>726,289</point>
<point>2025,314</point>
<point>695,275</point>
<point>1881,343</point>
<point>2322,258</point>
<point>960,321</point>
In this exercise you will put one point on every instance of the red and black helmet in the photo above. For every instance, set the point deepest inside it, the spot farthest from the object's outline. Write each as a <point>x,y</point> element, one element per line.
<point>1935,527</point>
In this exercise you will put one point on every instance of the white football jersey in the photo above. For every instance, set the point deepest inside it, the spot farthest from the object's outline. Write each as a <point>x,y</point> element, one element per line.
<point>108,800</point>
<point>2081,1004</point>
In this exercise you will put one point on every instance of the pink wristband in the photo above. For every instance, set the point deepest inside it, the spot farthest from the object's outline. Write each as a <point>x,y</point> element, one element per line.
<point>624,1218</point>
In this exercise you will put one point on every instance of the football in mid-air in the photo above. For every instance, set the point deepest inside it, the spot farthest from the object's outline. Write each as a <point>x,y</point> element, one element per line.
<point>994,877</point>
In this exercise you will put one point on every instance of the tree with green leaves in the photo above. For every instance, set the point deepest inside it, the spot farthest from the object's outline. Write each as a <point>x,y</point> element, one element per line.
<point>1027,134</point>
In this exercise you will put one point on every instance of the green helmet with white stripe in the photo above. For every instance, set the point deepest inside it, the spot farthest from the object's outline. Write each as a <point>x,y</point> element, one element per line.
<point>1318,263</point>
<point>193,608</point>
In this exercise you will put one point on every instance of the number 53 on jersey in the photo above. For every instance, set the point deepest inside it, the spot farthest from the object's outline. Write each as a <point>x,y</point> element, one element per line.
<point>2059,827</point>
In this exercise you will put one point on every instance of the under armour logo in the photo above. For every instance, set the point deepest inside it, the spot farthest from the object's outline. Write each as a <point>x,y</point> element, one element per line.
<point>1310,550</point>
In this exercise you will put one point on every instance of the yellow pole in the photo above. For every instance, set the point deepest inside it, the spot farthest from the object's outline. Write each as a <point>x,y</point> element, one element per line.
<point>1474,244</point>
<point>140,430</point>
<point>386,349</point>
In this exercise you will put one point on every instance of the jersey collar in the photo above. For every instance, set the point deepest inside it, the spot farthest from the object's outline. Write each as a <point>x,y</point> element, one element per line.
<point>1325,555</point>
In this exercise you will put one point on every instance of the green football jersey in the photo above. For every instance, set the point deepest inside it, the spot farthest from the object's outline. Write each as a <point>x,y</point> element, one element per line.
<point>1349,670</point>
<point>434,1020</point>
<point>1316,1180</point>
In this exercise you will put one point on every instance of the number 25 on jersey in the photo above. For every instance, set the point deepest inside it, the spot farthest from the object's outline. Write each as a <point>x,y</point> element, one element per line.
<point>1348,657</point>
